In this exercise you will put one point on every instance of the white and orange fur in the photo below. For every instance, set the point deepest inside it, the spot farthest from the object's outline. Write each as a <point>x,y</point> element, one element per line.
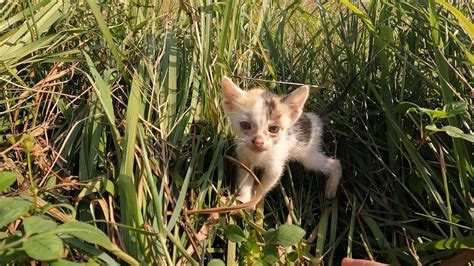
<point>272,130</point>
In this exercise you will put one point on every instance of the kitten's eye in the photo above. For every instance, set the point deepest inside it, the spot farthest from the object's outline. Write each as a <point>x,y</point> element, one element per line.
<point>245,125</point>
<point>273,129</point>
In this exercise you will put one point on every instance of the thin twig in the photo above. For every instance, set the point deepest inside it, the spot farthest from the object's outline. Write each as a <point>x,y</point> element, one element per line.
<point>242,206</point>
<point>317,87</point>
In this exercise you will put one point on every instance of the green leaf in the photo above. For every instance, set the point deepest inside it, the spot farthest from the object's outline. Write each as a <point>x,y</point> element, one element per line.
<point>93,235</point>
<point>85,232</point>
<point>103,90</point>
<point>452,131</point>
<point>434,113</point>
<point>6,180</point>
<point>286,235</point>
<point>293,256</point>
<point>61,262</point>
<point>90,250</point>
<point>11,255</point>
<point>404,107</point>
<point>448,244</point>
<point>216,262</point>
<point>44,247</point>
<point>94,186</point>
<point>449,110</point>
<point>270,235</point>
<point>234,233</point>
<point>322,231</point>
<point>130,211</point>
<point>36,224</point>
<point>107,36</point>
<point>362,15</point>
<point>12,208</point>
<point>108,186</point>
<point>455,108</point>
<point>270,253</point>
<point>463,21</point>
<point>3,235</point>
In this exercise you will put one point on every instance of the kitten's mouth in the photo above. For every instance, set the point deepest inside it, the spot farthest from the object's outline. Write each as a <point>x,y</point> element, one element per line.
<point>257,149</point>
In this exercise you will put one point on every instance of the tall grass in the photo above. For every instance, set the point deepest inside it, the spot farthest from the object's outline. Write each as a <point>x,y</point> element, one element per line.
<point>120,104</point>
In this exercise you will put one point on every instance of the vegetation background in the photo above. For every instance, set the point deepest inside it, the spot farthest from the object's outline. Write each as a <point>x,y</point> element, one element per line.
<point>112,132</point>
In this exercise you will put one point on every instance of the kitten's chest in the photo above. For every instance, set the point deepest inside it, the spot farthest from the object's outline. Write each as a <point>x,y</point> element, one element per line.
<point>263,159</point>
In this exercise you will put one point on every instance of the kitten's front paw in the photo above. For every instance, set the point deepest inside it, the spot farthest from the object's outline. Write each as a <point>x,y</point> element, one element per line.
<point>244,197</point>
<point>333,181</point>
<point>330,191</point>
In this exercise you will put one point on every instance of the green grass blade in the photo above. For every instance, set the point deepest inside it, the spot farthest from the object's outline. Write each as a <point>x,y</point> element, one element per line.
<point>108,37</point>
<point>463,21</point>
<point>130,212</point>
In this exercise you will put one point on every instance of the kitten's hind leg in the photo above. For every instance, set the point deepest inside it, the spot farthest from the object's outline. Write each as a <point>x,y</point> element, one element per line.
<point>328,166</point>
<point>243,186</point>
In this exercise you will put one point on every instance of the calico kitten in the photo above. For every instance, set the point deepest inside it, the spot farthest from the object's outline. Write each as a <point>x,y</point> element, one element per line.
<point>272,130</point>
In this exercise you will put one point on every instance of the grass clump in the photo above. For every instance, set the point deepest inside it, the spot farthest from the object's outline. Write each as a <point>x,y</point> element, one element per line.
<point>111,125</point>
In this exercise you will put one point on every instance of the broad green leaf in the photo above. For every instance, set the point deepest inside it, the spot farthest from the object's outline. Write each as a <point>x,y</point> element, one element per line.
<point>386,33</point>
<point>448,244</point>
<point>108,186</point>
<point>93,186</point>
<point>293,256</point>
<point>453,132</point>
<point>449,110</point>
<point>93,235</point>
<point>89,249</point>
<point>434,113</point>
<point>61,262</point>
<point>44,247</point>
<point>270,253</point>
<point>11,255</point>
<point>12,208</point>
<point>286,235</point>
<point>234,233</point>
<point>3,235</point>
<point>270,236</point>
<point>455,108</point>
<point>36,224</point>
<point>6,180</point>
<point>85,232</point>
<point>216,262</point>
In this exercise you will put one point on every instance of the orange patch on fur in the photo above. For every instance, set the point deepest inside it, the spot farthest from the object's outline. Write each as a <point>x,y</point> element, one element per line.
<point>251,97</point>
<point>274,105</point>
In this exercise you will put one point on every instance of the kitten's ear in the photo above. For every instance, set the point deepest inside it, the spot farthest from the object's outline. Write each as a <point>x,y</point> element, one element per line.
<point>232,93</point>
<point>296,101</point>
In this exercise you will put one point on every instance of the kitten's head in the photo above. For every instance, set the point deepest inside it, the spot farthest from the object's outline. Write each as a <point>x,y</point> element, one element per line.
<point>260,118</point>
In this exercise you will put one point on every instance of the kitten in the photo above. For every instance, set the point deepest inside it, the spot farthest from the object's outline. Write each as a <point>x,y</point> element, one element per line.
<point>272,130</point>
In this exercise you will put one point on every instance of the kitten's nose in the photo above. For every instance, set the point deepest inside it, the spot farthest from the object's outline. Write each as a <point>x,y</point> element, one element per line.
<point>258,142</point>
